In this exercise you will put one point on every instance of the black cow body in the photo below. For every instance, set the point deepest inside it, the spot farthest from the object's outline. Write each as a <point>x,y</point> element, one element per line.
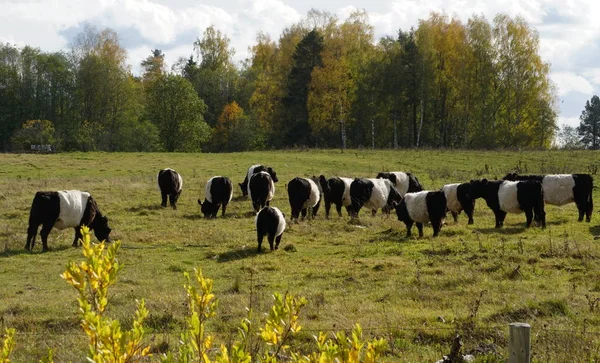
<point>254,169</point>
<point>422,207</point>
<point>269,222</point>
<point>512,197</point>
<point>217,194</point>
<point>261,189</point>
<point>304,193</point>
<point>373,194</point>
<point>459,198</point>
<point>65,209</point>
<point>561,189</point>
<point>170,184</point>
<point>336,191</point>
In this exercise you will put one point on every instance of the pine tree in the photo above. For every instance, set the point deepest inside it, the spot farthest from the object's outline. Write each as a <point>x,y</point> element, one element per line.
<point>589,125</point>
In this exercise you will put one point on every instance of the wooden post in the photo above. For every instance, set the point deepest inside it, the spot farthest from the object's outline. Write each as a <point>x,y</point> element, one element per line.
<point>519,343</point>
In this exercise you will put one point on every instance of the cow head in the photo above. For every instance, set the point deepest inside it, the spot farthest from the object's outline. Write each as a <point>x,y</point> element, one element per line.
<point>102,230</point>
<point>511,177</point>
<point>208,209</point>
<point>324,184</point>
<point>273,174</point>
<point>479,188</point>
<point>244,188</point>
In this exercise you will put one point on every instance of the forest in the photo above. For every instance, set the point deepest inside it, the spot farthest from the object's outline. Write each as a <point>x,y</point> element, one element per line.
<point>324,83</point>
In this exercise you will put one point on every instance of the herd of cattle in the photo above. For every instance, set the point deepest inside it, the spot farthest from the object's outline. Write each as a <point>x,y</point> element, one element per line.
<point>397,191</point>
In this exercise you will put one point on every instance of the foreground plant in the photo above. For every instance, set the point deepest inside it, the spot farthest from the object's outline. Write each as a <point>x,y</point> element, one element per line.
<point>92,278</point>
<point>8,345</point>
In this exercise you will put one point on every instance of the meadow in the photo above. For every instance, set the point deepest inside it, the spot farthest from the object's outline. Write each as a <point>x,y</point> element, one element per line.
<point>416,292</point>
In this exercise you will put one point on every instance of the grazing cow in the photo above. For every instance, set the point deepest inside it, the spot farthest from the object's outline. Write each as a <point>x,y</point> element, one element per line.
<point>404,182</point>
<point>422,207</point>
<point>304,193</point>
<point>374,194</point>
<point>336,191</point>
<point>561,189</point>
<point>217,193</point>
<point>459,198</point>
<point>270,222</point>
<point>170,184</point>
<point>253,170</point>
<point>65,209</point>
<point>512,197</point>
<point>261,190</point>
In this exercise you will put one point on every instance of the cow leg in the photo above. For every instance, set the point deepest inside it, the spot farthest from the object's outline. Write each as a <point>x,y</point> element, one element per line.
<point>271,238</point>
<point>589,209</point>
<point>437,226</point>
<point>469,214</point>
<point>316,209</point>
<point>278,241</point>
<point>260,237</point>
<point>173,200</point>
<point>163,203</point>
<point>455,216</point>
<point>338,208</point>
<point>529,216</point>
<point>373,212</point>
<point>255,207</point>
<point>31,233</point>
<point>327,208</point>
<point>500,215</point>
<point>304,213</point>
<point>409,225</point>
<point>420,228</point>
<point>540,214</point>
<point>223,209</point>
<point>78,236</point>
<point>46,228</point>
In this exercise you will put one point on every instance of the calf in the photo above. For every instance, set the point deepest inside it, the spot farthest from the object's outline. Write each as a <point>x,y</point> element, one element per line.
<point>270,222</point>
<point>561,189</point>
<point>261,190</point>
<point>422,207</point>
<point>170,184</point>
<point>217,193</point>
<point>404,182</point>
<point>304,193</point>
<point>253,170</point>
<point>512,197</point>
<point>374,194</point>
<point>336,191</point>
<point>459,198</point>
<point>65,209</point>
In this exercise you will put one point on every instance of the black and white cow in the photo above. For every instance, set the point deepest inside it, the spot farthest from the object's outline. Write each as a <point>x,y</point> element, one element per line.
<point>512,197</point>
<point>336,191</point>
<point>373,194</point>
<point>561,189</point>
<point>304,193</point>
<point>170,184</point>
<point>269,222</point>
<point>422,207</point>
<point>459,198</point>
<point>65,209</point>
<point>218,192</point>
<point>404,182</point>
<point>253,170</point>
<point>261,189</point>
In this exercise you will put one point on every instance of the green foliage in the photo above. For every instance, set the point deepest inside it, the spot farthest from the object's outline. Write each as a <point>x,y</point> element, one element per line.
<point>34,132</point>
<point>589,125</point>
<point>92,278</point>
<point>8,345</point>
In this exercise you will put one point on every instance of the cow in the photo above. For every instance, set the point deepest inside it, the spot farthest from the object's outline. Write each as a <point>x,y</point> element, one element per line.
<point>261,189</point>
<point>459,198</point>
<point>253,170</point>
<point>561,189</point>
<point>218,192</point>
<point>503,196</point>
<point>65,209</point>
<point>422,207</point>
<point>336,191</point>
<point>270,222</point>
<point>170,184</point>
<point>404,182</point>
<point>374,194</point>
<point>304,193</point>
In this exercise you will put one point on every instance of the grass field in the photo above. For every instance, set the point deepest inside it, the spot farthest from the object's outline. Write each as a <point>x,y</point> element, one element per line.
<point>415,292</point>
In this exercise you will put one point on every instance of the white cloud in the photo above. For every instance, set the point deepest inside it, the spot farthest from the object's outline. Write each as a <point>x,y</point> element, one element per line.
<point>571,121</point>
<point>570,82</point>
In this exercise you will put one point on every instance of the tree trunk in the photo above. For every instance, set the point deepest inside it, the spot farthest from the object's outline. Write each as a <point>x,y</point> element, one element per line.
<point>372,133</point>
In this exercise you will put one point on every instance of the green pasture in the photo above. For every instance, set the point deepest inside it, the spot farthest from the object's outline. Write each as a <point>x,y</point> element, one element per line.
<point>417,293</point>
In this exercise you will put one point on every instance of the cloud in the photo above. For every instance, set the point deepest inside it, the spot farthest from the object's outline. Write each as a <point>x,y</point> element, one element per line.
<point>571,121</point>
<point>570,82</point>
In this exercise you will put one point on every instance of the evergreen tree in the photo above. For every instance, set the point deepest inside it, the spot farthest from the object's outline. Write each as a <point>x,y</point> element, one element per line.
<point>589,125</point>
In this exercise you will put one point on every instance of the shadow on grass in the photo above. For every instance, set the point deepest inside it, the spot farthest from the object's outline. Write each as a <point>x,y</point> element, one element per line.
<point>144,208</point>
<point>595,230</point>
<point>37,250</point>
<point>239,198</point>
<point>193,217</point>
<point>239,254</point>
<point>503,230</point>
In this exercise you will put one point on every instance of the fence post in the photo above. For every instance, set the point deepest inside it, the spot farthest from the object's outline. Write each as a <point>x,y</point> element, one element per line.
<point>519,343</point>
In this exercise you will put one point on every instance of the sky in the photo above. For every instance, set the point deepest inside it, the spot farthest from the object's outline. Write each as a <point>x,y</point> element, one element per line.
<point>569,30</point>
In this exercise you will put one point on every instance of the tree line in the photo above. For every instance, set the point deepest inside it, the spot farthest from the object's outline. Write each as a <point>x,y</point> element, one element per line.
<point>324,82</point>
